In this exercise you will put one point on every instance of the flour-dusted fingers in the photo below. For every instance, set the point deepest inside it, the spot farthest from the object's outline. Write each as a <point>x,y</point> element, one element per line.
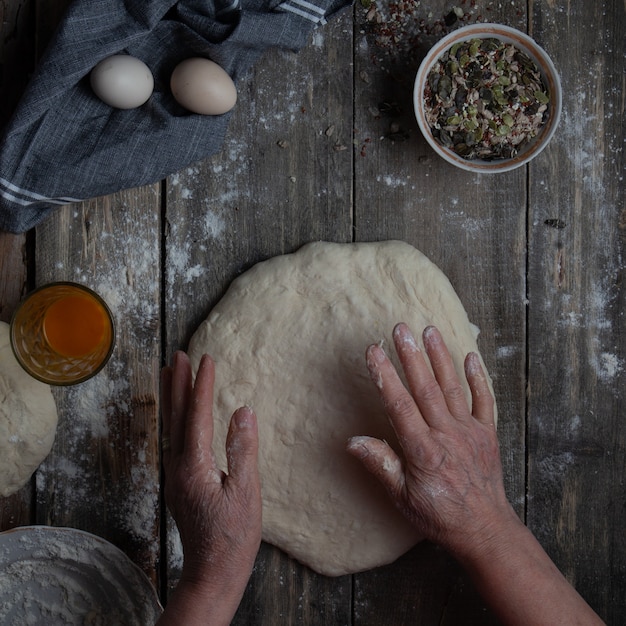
<point>380,460</point>
<point>199,425</point>
<point>242,448</point>
<point>445,373</point>
<point>424,389</point>
<point>180,395</point>
<point>401,409</point>
<point>482,399</point>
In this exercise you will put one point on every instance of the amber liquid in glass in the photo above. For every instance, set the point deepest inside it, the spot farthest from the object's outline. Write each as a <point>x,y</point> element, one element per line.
<point>62,333</point>
<point>74,325</point>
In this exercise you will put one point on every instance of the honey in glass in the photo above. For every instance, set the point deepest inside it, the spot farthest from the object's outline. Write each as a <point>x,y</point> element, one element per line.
<point>62,333</point>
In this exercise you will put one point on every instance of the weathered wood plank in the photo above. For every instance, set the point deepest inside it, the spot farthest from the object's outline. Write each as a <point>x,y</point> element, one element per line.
<point>102,475</point>
<point>105,457</point>
<point>278,183</point>
<point>13,267</point>
<point>473,227</point>
<point>17,58</point>
<point>577,345</point>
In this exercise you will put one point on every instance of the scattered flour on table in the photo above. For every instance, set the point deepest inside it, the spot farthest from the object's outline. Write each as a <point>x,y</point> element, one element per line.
<point>607,366</point>
<point>466,223</point>
<point>317,40</point>
<point>574,426</point>
<point>97,438</point>
<point>582,134</point>
<point>554,467</point>
<point>140,510</point>
<point>178,264</point>
<point>185,192</point>
<point>593,157</point>
<point>589,311</point>
<point>394,181</point>
<point>507,352</point>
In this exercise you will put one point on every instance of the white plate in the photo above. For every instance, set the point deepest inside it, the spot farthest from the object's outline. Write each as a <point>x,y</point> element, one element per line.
<point>52,575</point>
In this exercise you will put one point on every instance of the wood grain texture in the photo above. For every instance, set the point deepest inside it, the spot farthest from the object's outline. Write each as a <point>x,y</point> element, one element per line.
<point>577,344</point>
<point>103,472</point>
<point>323,145</point>
<point>13,265</point>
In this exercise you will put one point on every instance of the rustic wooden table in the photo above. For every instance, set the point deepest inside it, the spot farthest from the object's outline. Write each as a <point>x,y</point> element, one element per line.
<point>324,146</point>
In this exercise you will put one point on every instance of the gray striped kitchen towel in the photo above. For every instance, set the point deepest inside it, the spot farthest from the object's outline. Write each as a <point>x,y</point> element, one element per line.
<point>62,144</point>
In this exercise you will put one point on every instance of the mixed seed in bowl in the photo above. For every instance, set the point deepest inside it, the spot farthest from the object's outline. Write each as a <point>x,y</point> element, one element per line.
<point>485,99</point>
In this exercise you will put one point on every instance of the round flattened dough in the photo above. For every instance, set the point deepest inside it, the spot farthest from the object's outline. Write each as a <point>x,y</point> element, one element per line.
<point>28,420</point>
<point>289,339</point>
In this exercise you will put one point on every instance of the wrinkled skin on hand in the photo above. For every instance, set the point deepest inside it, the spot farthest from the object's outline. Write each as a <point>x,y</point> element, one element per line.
<point>449,481</point>
<point>218,515</point>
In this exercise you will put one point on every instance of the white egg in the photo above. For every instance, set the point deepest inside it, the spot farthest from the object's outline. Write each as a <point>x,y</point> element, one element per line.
<point>202,86</point>
<point>122,81</point>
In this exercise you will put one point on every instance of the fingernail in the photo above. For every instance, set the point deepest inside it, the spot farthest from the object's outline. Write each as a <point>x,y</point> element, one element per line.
<point>474,366</point>
<point>430,332</point>
<point>357,446</point>
<point>403,335</point>
<point>376,354</point>
<point>432,336</point>
<point>244,417</point>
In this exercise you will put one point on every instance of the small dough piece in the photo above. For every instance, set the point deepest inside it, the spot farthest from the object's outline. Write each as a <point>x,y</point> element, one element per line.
<point>28,420</point>
<point>289,339</point>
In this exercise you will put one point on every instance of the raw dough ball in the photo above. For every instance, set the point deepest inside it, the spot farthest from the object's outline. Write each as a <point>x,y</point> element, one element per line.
<point>28,420</point>
<point>289,339</point>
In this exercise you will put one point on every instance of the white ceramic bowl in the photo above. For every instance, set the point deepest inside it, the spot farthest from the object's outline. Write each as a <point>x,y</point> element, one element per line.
<point>549,75</point>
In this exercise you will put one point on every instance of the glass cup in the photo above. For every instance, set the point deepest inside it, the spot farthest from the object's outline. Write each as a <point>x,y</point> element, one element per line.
<point>62,333</point>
